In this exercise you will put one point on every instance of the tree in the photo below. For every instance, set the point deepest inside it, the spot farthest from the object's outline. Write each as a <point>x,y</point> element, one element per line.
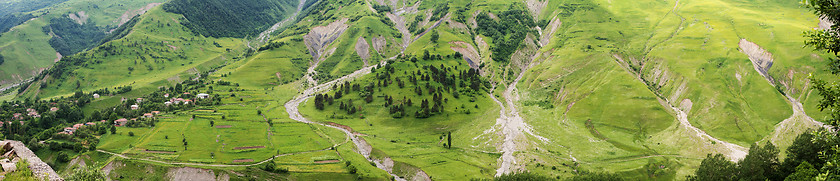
<point>88,173</point>
<point>804,171</point>
<point>130,133</point>
<point>62,157</point>
<point>449,139</point>
<point>434,37</point>
<point>319,102</point>
<point>714,168</point>
<point>113,129</point>
<point>761,163</point>
<point>211,123</point>
<point>803,150</point>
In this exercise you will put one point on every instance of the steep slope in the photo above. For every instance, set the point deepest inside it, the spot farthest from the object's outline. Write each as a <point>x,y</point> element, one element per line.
<point>28,47</point>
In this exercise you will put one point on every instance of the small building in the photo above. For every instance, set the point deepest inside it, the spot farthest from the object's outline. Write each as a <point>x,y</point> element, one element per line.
<point>77,126</point>
<point>166,95</point>
<point>135,107</point>
<point>90,124</point>
<point>155,112</point>
<point>120,122</point>
<point>53,109</point>
<point>186,93</point>
<point>69,130</point>
<point>139,100</point>
<point>167,103</point>
<point>187,101</point>
<point>203,96</point>
<point>148,115</point>
<point>103,121</point>
<point>96,96</point>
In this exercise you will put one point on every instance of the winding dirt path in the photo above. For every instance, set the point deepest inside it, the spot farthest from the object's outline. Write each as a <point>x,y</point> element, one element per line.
<point>362,146</point>
<point>513,128</point>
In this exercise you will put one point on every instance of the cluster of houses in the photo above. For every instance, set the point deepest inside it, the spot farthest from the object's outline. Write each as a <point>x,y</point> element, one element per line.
<point>123,121</point>
<point>31,113</point>
<point>71,130</point>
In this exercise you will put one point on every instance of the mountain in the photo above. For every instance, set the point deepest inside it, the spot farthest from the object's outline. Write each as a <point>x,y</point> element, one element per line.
<point>415,90</point>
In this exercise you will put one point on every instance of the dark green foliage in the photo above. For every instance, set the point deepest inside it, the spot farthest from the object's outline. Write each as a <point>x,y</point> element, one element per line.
<point>804,171</point>
<point>596,177</point>
<point>760,164</point>
<point>522,176</point>
<point>381,8</point>
<point>439,12</point>
<point>716,167</point>
<point>9,21</point>
<point>2,60</point>
<point>222,18</point>
<point>508,33</point>
<point>11,7</point>
<point>803,150</point>
<point>71,37</point>
<point>62,157</point>
<point>434,37</point>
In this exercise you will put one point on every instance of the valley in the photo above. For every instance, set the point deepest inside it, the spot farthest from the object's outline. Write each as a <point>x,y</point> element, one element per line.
<point>415,90</point>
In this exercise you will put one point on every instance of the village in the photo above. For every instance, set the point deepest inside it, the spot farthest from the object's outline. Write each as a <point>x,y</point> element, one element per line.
<point>123,121</point>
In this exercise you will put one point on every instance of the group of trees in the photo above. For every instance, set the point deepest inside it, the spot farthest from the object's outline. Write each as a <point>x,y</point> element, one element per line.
<point>762,162</point>
<point>221,18</point>
<point>508,33</point>
<point>433,85</point>
<point>72,37</point>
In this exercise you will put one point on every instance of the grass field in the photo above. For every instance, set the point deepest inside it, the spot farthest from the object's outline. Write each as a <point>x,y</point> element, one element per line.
<point>26,48</point>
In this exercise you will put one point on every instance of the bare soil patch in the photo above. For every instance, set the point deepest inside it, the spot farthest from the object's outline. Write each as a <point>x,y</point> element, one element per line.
<point>224,126</point>
<point>243,160</point>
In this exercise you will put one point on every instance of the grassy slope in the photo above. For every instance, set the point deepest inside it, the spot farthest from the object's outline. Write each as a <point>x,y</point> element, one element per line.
<point>171,51</point>
<point>739,111</point>
<point>27,50</point>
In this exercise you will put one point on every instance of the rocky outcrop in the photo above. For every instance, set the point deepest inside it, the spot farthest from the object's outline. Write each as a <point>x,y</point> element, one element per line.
<point>379,43</point>
<point>38,167</point>
<point>760,58</point>
<point>320,37</point>
<point>363,49</point>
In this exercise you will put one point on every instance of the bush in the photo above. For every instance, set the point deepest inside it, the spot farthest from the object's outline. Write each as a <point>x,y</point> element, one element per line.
<point>130,133</point>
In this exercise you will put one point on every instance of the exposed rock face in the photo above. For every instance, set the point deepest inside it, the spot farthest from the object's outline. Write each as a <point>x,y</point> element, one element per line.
<point>760,58</point>
<point>363,49</point>
<point>189,173</point>
<point>38,167</point>
<point>379,44</point>
<point>549,31</point>
<point>131,13</point>
<point>320,37</point>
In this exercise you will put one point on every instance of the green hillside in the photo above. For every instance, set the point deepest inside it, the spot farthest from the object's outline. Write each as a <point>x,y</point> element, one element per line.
<point>423,90</point>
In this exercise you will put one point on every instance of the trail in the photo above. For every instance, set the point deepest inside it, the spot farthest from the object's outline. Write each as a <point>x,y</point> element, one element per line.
<point>762,61</point>
<point>362,146</point>
<point>735,152</point>
<point>512,127</point>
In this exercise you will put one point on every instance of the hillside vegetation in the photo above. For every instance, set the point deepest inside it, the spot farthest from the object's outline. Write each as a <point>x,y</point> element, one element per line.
<point>238,19</point>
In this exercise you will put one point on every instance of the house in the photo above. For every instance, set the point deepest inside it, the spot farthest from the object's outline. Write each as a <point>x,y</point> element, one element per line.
<point>203,96</point>
<point>33,114</point>
<point>167,103</point>
<point>166,95</point>
<point>148,115</point>
<point>53,109</point>
<point>187,101</point>
<point>17,116</point>
<point>186,93</point>
<point>155,112</point>
<point>135,107</point>
<point>90,124</point>
<point>103,121</point>
<point>69,130</point>
<point>120,122</point>
<point>77,126</point>
<point>177,100</point>
<point>96,96</point>
<point>139,100</point>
